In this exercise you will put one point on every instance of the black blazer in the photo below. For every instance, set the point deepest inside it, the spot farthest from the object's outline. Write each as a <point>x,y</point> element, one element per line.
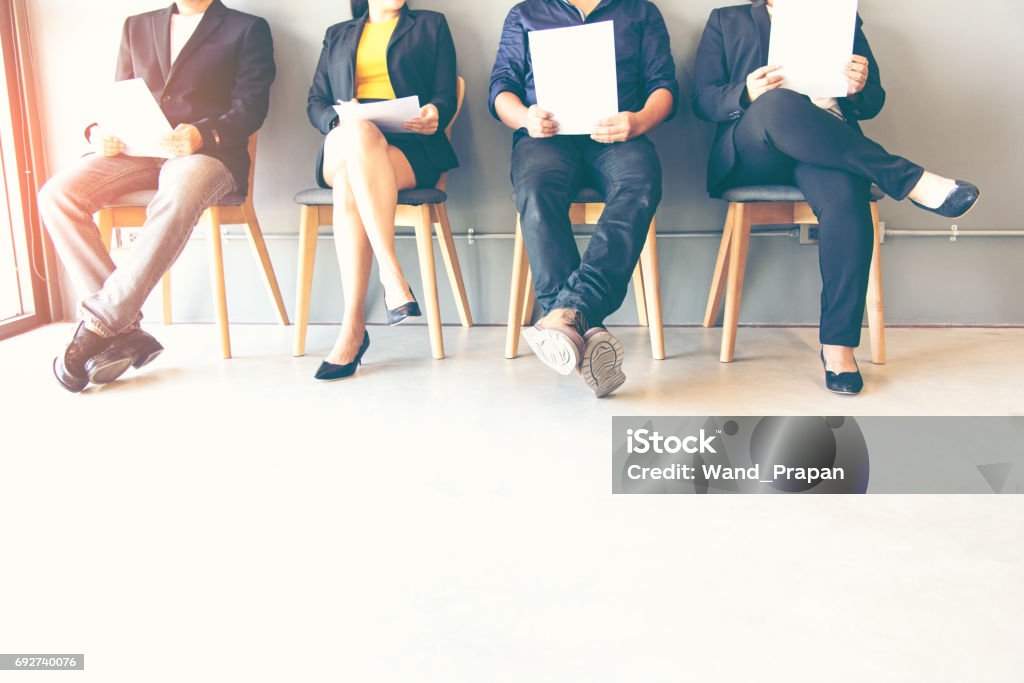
<point>421,61</point>
<point>734,44</point>
<point>220,82</point>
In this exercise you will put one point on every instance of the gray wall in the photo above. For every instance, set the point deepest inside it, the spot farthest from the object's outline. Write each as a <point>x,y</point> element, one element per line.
<point>952,107</point>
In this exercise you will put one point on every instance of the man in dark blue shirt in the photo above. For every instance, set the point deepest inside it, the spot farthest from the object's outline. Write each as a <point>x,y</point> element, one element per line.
<point>616,159</point>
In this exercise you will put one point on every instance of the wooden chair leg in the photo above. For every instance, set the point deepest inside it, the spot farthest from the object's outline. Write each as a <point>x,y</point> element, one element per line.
<point>517,292</point>
<point>740,238</point>
<point>211,222</point>
<point>105,222</point>
<point>259,246</point>
<point>721,269</point>
<point>451,263</point>
<point>428,274</point>
<point>165,291</point>
<point>309,224</point>
<point>652,292</point>
<point>875,303</point>
<point>641,295</point>
<point>531,298</point>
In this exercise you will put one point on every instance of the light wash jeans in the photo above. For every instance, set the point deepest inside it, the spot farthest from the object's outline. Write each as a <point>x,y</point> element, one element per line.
<point>185,186</point>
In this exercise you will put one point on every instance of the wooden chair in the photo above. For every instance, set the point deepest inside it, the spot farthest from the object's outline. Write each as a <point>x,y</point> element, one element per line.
<point>420,208</point>
<point>129,211</point>
<point>777,205</point>
<point>586,210</point>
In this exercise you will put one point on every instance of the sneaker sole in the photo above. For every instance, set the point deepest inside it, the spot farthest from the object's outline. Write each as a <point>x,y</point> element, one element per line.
<point>554,349</point>
<point>602,364</point>
<point>108,372</point>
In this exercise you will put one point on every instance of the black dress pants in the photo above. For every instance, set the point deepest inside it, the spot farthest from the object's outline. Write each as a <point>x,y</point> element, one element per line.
<point>547,173</point>
<point>786,139</point>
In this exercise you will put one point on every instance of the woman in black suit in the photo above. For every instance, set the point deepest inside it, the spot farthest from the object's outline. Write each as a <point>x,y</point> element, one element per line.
<point>386,51</point>
<point>770,135</point>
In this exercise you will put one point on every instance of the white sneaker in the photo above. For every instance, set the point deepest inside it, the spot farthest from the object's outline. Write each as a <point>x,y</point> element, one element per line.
<point>560,348</point>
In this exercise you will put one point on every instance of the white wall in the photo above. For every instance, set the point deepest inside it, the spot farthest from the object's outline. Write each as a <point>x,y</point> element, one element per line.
<point>953,106</point>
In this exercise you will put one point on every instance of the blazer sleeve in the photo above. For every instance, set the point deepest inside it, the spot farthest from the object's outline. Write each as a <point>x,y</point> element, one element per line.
<point>868,102</point>
<point>250,96</point>
<point>509,72</point>
<point>320,103</point>
<point>715,97</point>
<point>659,68</point>
<point>446,86</point>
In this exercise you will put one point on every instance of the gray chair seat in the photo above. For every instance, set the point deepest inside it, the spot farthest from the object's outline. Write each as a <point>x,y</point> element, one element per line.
<point>144,197</point>
<point>776,193</point>
<point>321,197</point>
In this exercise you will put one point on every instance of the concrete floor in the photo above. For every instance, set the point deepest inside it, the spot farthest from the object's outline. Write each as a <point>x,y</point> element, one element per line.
<point>452,520</point>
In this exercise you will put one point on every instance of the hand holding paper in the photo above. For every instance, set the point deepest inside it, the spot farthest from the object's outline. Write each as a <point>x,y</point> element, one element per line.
<point>575,76</point>
<point>388,115</point>
<point>426,122</point>
<point>105,144</point>
<point>182,141</point>
<point>132,116</point>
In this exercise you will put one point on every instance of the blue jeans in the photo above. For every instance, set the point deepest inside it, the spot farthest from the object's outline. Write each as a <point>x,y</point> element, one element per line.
<point>185,187</point>
<point>547,173</point>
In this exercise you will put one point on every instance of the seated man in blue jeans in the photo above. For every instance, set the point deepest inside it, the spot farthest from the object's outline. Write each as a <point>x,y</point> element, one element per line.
<point>210,68</point>
<point>616,159</point>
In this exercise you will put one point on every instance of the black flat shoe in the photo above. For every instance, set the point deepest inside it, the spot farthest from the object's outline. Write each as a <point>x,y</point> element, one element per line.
<point>845,383</point>
<point>329,372</point>
<point>960,200</point>
<point>398,315</point>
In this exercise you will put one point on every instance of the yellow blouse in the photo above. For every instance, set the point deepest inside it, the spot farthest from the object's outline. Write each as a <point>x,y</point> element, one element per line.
<point>372,78</point>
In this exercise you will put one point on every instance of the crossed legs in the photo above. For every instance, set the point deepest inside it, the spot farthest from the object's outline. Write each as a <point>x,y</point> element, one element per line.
<point>365,174</point>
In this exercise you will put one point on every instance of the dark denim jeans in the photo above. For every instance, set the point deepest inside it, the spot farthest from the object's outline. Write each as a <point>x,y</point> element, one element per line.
<point>547,174</point>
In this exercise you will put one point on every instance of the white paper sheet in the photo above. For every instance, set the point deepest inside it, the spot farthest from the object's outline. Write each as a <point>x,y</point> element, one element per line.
<point>388,115</point>
<point>132,114</point>
<point>812,40</point>
<point>574,75</point>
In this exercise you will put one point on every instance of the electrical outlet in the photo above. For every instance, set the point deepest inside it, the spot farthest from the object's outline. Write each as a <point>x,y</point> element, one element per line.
<point>808,234</point>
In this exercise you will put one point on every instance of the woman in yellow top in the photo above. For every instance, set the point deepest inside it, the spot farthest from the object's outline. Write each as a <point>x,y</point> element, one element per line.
<point>386,51</point>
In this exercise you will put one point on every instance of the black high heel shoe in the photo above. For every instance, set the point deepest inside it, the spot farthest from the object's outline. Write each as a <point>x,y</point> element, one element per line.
<point>845,383</point>
<point>398,315</point>
<point>960,200</point>
<point>328,372</point>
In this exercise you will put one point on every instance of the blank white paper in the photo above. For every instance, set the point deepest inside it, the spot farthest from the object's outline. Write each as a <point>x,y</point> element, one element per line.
<point>131,114</point>
<point>812,40</point>
<point>574,75</point>
<point>388,115</point>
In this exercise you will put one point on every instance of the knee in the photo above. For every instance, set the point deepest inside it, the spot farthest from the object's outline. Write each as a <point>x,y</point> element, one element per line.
<point>352,137</point>
<point>539,186</point>
<point>776,105</point>
<point>53,195</point>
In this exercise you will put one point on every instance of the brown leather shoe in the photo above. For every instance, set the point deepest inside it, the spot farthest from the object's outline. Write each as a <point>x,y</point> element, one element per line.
<point>89,357</point>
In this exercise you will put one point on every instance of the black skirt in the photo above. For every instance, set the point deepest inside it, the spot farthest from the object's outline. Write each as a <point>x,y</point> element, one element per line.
<point>411,145</point>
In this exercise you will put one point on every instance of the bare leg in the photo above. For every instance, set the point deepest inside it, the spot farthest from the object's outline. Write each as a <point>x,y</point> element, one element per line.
<point>376,172</point>
<point>355,256</point>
